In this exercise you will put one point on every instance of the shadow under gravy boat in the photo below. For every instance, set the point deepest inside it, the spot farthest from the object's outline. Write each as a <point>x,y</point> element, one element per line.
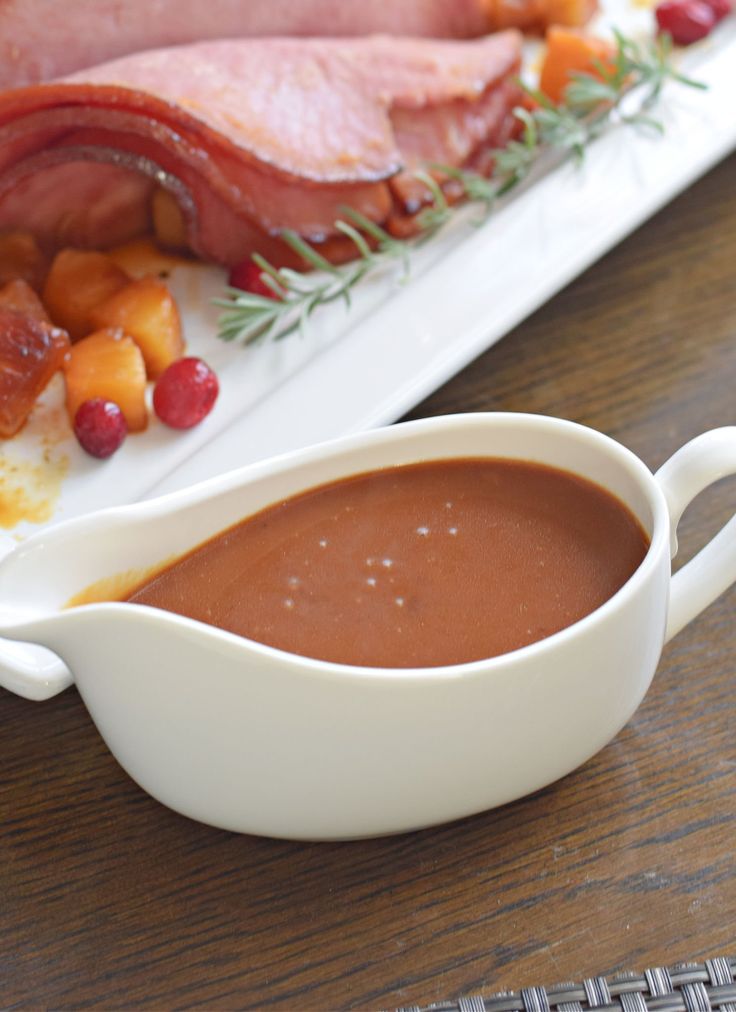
<point>253,739</point>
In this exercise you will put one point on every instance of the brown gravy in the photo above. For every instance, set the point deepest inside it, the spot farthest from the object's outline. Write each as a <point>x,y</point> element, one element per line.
<point>413,566</point>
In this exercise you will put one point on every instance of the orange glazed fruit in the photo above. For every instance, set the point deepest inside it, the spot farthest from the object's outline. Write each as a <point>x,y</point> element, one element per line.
<point>31,351</point>
<point>142,258</point>
<point>21,257</point>
<point>569,52</point>
<point>78,281</point>
<point>19,295</point>
<point>572,13</point>
<point>536,15</point>
<point>107,364</point>
<point>168,221</point>
<point>146,311</point>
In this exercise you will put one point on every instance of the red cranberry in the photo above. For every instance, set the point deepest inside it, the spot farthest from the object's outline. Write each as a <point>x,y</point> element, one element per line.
<point>247,275</point>
<point>100,427</point>
<point>687,21</point>
<point>185,393</point>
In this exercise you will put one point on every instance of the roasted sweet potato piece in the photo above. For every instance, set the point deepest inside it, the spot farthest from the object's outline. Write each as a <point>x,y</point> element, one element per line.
<point>146,311</point>
<point>108,364</point>
<point>31,351</point>
<point>570,51</point>
<point>77,282</point>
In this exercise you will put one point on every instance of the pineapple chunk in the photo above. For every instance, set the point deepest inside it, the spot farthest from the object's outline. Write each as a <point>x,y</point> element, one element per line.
<point>78,281</point>
<point>146,311</point>
<point>168,221</point>
<point>21,258</point>
<point>141,258</point>
<point>31,351</point>
<point>19,295</point>
<point>571,13</point>
<point>571,51</point>
<point>108,364</point>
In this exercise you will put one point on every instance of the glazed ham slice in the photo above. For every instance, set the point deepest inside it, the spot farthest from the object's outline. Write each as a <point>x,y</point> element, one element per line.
<point>250,137</point>
<point>43,39</point>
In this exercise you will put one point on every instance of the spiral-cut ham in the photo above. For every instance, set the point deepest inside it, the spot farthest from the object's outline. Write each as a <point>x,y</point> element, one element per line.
<point>42,39</point>
<point>250,137</point>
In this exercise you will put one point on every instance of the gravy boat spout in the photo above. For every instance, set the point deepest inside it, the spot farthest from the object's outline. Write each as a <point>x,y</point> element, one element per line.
<point>253,739</point>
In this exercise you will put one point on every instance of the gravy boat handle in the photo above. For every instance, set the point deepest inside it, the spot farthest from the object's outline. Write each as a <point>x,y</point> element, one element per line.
<point>699,463</point>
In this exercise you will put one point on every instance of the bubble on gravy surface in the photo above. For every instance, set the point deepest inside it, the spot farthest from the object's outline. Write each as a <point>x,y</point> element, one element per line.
<point>420,565</point>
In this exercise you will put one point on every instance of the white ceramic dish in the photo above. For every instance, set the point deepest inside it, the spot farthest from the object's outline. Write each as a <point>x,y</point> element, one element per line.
<point>256,740</point>
<point>468,288</point>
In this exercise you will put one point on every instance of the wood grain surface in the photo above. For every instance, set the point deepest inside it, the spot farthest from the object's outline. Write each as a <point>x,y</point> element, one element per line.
<point>109,900</point>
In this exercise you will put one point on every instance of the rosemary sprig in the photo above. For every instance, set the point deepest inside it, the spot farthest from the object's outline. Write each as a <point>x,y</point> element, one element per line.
<point>252,317</point>
<point>591,103</point>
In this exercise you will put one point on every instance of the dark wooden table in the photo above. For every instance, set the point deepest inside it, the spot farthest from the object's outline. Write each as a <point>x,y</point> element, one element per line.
<point>109,900</point>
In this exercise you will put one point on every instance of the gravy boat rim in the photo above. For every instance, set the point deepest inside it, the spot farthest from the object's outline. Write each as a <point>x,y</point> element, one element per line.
<point>252,473</point>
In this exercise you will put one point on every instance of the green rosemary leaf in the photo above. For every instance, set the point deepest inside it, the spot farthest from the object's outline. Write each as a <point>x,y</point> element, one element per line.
<point>641,120</point>
<point>273,279</point>
<point>381,236</point>
<point>265,266</point>
<point>477,189</point>
<point>354,235</point>
<point>689,82</point>
<point>537,96</point>
<point>314,300</point>
<point>236,329</point>
<point>434,188</point>
<point>530,137</point>
<point>433,217</point>
<point>309,253</point>
<point>514,160</point>
<point>585,92</point>
<point>562,129</point>
<point>247,308</point>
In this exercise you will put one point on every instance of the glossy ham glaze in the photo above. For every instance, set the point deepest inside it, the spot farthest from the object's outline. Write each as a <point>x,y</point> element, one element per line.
<point>416,566</point>
<point>250,137</point>
<point>42,39</point>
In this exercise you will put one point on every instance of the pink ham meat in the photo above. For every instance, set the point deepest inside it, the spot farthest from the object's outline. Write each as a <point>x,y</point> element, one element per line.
<point>43,39</point>
<point>250,137</point>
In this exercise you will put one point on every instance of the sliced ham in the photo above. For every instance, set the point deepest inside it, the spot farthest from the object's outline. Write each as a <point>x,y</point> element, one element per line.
<point>250,138</point>
<point>43,39</point>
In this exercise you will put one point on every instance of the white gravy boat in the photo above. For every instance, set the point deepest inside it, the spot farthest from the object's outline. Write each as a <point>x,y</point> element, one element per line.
<point>252,739</point>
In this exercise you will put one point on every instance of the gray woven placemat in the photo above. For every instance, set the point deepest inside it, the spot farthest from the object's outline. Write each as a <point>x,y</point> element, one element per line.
<point>684,987</point>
